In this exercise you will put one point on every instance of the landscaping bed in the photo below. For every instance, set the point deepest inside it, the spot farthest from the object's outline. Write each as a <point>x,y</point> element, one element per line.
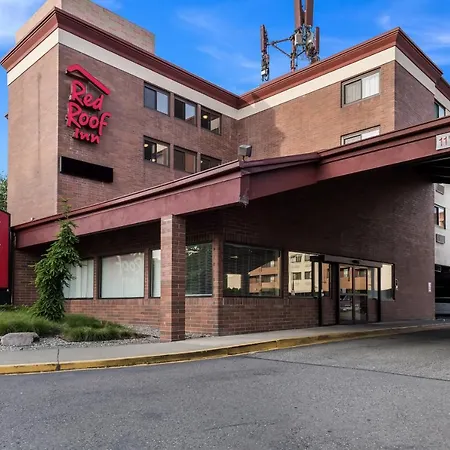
<point>75,330</point>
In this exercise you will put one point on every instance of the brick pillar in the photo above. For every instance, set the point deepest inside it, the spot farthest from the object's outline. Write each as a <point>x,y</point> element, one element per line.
<point>173,278</point>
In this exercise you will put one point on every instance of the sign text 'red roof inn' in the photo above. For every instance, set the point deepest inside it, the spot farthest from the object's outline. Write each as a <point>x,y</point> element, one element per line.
<point>84,110</point>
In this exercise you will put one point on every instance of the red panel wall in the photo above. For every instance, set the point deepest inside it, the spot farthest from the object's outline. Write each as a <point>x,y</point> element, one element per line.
<point>4,250</point>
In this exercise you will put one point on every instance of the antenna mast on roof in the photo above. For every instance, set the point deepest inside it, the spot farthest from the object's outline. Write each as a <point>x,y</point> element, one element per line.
<point>304,41</point>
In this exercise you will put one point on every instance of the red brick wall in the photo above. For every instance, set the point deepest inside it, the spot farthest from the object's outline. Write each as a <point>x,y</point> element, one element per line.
<point>414,103</point>
<point>121,146</point>
<point>317,121</point>
<point>384,216</point>
<point>24,292</point>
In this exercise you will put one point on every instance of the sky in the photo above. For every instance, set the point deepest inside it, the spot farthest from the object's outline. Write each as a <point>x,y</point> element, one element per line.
<point>219,40</point>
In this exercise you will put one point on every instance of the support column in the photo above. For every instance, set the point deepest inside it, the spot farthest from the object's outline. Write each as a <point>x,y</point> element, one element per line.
<point>173,278</point>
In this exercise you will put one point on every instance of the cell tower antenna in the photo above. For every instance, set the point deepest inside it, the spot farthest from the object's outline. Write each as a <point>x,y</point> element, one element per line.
<point>304,41</point>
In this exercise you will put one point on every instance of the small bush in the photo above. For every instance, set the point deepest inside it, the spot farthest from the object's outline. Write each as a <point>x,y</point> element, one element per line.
<point>22,321</point>
<point>87,334</point>
<point>79,320</point>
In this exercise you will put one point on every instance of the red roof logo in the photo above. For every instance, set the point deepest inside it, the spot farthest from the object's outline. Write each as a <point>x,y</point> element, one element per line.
<point>84,110</point>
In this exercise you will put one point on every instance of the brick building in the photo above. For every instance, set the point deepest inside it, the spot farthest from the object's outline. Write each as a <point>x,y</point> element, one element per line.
<point>329,221</point>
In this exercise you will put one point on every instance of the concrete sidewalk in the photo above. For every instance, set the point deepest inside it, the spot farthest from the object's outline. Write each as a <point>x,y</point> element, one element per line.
<point>49,360</point>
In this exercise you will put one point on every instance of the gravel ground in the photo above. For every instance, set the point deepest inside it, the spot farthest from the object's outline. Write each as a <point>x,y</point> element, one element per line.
<point>150,336</point>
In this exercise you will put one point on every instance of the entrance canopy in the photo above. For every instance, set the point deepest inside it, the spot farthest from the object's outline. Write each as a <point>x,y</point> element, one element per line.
<point>425,146</point>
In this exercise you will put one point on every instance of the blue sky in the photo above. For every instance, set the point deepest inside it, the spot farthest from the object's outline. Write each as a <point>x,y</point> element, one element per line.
<point>219,40</point>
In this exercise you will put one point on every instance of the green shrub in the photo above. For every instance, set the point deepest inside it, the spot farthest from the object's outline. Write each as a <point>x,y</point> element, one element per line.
<point>79,320</point>
<point>22,321</point>
<point>88,334</point>
<point>53,271</point>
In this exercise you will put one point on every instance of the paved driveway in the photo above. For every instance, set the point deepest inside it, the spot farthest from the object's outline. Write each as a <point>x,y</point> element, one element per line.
<point>387,393</point>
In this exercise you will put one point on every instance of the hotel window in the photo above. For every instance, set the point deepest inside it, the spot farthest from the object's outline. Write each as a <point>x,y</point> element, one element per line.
<point>361,88</point>
<point>155,276</point>
<point>156,99</point>
<point>185,160</point>
<point>156,152</point>
<point>211,121</point>
<point>82,283</point>
<point>123,276</point>
<point>185,111</point>
<point>308,275</point>
<point>207,162</point>
<point>296,276</point>
<point>439,109</point>
<point>439,216</point>
<point>360,135</point>
<point>199,270</point>
<point>251,271</point>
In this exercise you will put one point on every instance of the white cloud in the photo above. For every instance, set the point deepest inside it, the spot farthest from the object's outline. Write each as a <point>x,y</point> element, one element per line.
<point>422,20</point>
<point>234,58</point>
<point>13,14</point>
<point>220,38</point>
<point>385,21</point>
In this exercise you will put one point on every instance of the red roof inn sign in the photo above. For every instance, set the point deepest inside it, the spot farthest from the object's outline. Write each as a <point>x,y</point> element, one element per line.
<point>84,111</point>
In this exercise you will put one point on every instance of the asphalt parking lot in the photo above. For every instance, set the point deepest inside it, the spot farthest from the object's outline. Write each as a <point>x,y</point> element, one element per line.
<point>384,393</point>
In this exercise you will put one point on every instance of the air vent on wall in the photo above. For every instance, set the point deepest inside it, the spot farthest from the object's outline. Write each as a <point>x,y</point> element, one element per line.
<point>440,238</point>
<point>440,188</point>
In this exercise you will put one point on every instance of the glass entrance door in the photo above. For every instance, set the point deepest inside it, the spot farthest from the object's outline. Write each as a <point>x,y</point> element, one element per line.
<point>353,294</point>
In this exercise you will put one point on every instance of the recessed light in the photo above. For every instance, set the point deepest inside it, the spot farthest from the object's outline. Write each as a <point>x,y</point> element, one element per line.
<point>205,116</point>
<point>145,145</point>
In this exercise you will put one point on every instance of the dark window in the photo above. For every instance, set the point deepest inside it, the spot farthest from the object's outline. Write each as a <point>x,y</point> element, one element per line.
<point>308,275</point>
<point>211,121</point>
<point>83,169</point>
<point>296,276</point>
<point>208,163</point>
<point>199,269</point>
<point>251,271</point>
<point>439,216</point>
<point>185,111</point>
<point>185,160</point>
<point>156,152</point>
<point>439,109</point>
<point>156,99</point>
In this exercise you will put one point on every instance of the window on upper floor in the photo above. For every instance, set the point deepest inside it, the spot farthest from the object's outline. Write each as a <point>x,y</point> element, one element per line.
<point>439,216</point>
<point>186,111</point>
<point>360,88</point>
<point>156,99</point>
<point>156,152</point>
<point>439,109</point>
<point>211,120</point>
<point>207,162</point>
<point>360,135</point>
<point>185,160</point>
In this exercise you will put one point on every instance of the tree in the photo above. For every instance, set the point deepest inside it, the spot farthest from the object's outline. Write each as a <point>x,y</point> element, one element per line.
<point>53,271</point>
<point>3,191</point>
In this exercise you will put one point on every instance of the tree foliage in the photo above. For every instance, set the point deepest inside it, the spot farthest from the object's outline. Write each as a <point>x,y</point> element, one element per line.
<point>3,191</point>
<point>53,271</point>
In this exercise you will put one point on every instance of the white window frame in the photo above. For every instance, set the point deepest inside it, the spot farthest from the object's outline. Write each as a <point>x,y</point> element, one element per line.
<point>360,135</point>
<point>360,80</point>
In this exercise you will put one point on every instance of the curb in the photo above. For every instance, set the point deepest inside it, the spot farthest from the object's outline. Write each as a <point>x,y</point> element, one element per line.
<point>219,352</point>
